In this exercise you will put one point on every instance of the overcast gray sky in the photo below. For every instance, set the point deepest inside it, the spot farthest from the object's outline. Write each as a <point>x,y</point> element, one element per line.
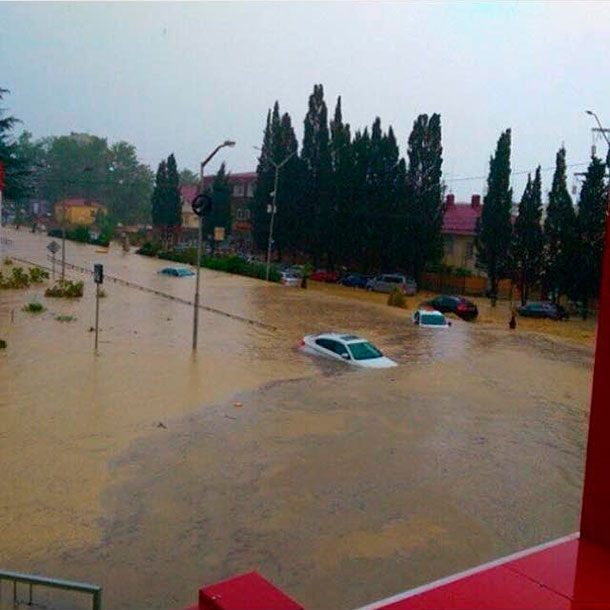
<point>183,77</point>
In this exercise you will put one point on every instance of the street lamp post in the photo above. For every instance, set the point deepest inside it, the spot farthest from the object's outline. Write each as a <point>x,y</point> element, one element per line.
<point>604,133</point>
<point>199,240</point>
<point>277,166</point>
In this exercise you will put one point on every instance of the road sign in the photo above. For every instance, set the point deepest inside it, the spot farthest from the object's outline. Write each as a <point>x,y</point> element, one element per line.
<point>53,247</point>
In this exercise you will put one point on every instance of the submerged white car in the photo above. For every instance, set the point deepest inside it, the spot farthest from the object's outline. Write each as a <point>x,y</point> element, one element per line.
<point>348,348</point>
<point>433,319</point>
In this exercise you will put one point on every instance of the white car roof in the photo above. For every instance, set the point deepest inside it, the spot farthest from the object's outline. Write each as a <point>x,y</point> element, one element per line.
<point>345,337</point>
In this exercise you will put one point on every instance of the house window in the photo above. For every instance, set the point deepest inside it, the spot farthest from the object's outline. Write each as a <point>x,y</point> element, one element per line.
<point>250,189</point>
<point>448,244</point>
<point>247,214</point>
<point>238,190</point>
<point>240,214</point>
<point>469,251</point>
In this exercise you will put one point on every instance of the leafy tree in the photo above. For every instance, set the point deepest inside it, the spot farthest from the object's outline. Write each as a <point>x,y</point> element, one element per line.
<point>76,166</point>
<point>591,222</point>
<point>315,154</point>
<point>424,194</point>
<point>188,177</point>
<point>494,229</point>
<point>16,165</point>
<point>129,185</point>
<point>560,229</point>
<point>528,240</point>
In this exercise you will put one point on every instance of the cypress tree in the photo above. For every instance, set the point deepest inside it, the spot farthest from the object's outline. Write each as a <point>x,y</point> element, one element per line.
<point>221,209</point>
<point>359,219</point>
<point>173,202</point>
<point>317,166</point>
<point>528,237</point>
<point>494,229</point>
<point>342,191</point>
<point>424,193</point>
<point>560,231</point>
<point>158,203</point>
<point>264,186</point>
<point>591,227</point>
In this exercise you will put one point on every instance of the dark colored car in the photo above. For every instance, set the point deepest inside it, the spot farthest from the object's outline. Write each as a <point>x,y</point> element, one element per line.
<point>356,280</point>
<point>460,306</point>
<point>543,309</point>
<point>324,276</point>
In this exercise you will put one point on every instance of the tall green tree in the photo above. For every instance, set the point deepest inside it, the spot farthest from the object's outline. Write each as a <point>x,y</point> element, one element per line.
<point>494,228</point>
<point>424,193</point>
<point>17,166</point>
<point>359,227</point>
<point>528,240</point>
<point>342,186</point>
<point>561,234</point>
<point>591,221</point>
<point>129,185</point>
<point>315,154</point>
<point>264,186</point>
<point>221,205</point>
<point>166,203</point>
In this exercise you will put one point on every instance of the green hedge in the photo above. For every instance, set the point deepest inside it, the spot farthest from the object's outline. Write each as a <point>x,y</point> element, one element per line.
<point>228,264</point>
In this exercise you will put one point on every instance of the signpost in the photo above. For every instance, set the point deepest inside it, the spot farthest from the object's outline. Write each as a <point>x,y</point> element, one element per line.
<point>98,278</point>
<point>53,248</point>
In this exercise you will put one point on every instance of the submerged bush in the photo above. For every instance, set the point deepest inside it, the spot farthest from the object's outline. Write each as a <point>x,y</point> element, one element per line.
<point>65,318</point>
<point>8,261</point>
<point>37,275</point>
<point>2,344</point>
<point>34,307</point>
<point>396,298</point>
<point>66,288</point>
<point>18,278</point>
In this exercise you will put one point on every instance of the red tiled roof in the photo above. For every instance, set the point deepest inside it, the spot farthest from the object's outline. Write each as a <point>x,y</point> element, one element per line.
<point>461,219</point>
<point>189,192</point>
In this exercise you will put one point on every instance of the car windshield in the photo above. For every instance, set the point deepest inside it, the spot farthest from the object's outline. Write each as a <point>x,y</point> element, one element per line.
<point>432,320</point>
<point>364,351</point>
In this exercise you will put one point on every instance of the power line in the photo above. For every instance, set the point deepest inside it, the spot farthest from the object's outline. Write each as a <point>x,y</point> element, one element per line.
<point>517,173</point>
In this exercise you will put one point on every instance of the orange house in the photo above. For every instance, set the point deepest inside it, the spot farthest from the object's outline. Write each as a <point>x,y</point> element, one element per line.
<point>78,211</point>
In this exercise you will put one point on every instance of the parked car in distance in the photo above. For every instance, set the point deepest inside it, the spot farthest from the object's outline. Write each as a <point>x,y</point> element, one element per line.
<point>320,275</point>
<point>432,319</point>
<point>458,305</point>
<point>388,281</point>
<point>176,271</point>
<point>355,280</point>
<point>543,309</point>
<point>347,348</point>
<point>287,278</point>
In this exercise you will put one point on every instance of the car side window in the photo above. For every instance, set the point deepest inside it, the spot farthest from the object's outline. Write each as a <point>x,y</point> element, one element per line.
<point>325,343</point>
<point>339,348</point>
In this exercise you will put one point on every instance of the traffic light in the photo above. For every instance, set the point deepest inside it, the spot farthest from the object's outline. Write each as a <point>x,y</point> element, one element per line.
<point>98,274</point>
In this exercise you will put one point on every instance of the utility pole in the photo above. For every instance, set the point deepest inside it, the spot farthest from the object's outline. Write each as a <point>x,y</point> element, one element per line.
<point>201,208</point>
<point>277,166</point>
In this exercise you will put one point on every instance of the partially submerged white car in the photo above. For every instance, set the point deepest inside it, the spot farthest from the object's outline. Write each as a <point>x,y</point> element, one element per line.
<point>348,348</point>
<point>431,319</point>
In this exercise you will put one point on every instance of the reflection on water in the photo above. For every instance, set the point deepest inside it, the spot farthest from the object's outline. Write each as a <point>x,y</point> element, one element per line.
<point>153,472</point>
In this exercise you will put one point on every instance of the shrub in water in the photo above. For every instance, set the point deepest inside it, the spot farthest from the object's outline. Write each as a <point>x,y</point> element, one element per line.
<point>65,318</point>
<point>33,307</point>
<point>396,298</point>
<point>8,261</point>
<point>2,344</point>
<point>66,288</point>
<point>37,275</point>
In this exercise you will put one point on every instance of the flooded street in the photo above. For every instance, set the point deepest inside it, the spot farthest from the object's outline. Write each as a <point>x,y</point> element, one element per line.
<point>153,473</point>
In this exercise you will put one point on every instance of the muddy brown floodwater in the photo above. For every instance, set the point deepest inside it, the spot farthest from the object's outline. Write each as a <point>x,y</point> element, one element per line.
<point>153,473</point>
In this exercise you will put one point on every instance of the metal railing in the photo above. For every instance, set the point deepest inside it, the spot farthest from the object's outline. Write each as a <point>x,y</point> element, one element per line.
<point>68,585</point>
